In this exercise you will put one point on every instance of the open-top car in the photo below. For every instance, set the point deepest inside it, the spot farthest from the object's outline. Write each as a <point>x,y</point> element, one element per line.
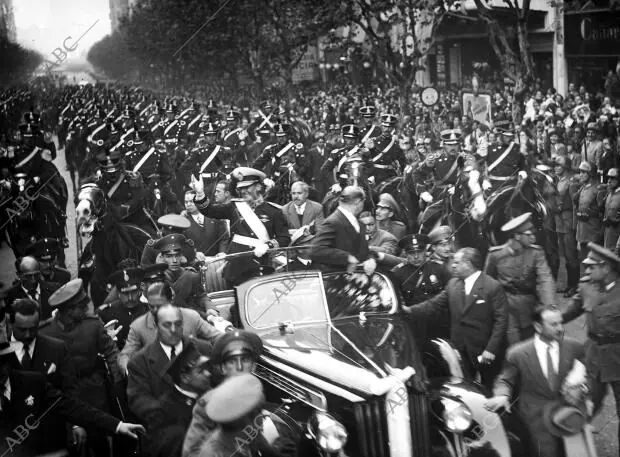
<point>343,363</point>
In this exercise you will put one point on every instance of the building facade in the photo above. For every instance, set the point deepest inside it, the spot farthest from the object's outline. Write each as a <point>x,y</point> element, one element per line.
<point>7,21</point>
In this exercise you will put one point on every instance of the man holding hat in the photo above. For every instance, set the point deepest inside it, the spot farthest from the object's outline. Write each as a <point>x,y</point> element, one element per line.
<point>611,218</point>
<point>591,148</point>
<point>128,307</point>
<point>86,338</point>
<point>169,224</point>
<point>566,187</point>
<point>255,225</point>
<point>386,210</point>
<point>589,206</point>
<point>535,374</point>
<point>521,268</point>
<point>25,400</point>
<point>599,299</point>
<point>47,251</point>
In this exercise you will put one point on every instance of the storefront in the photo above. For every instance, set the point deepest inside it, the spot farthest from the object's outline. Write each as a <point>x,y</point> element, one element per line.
<point>592,46</point>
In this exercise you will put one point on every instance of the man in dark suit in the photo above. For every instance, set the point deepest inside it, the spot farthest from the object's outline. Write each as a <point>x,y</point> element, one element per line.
<point>301,211</point>
<point>31,285</point>
<point>210,236</point>
<point>340,243</point>
<point>26,399</point>
<point>527,377</point>
<point>317,155</point>
<point>477,306</point>
<point>46,251</point>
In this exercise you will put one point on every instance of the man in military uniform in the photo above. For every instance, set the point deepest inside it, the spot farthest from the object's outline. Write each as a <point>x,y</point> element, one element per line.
<point>441,246</point>
<point>86,338</point>
<point>352,150</point>
<point>128,307</point>
<point>368,128</point>
<point>236,137</point>
<point>611,219</point>
<point>589,202</point>
<point>599,299</point>
<point>124,190</point>
<point>566,187</point>
<point>503,161</point>
<point>169,224</point>
<point>275,155</point>
<point>254,223</point>
<point>46,252</point>
<point>386,209</point>
<point>521,268</point>
<point>387,158</point>
<point>185,281</point>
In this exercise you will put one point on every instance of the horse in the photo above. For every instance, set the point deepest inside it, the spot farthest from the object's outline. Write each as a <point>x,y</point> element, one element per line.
<point>109,241</point>
<point>350,171</point>
<point>463,208</point>
<point>75,150</point>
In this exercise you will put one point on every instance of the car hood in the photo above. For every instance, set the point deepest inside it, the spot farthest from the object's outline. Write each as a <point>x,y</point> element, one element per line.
<point>351,351</point>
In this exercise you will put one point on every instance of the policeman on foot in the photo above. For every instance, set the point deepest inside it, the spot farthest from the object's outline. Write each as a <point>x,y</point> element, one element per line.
<point>169,224</point>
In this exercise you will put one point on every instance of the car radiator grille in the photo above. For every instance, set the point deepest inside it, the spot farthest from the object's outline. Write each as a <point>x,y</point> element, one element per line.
<point>419,418</point>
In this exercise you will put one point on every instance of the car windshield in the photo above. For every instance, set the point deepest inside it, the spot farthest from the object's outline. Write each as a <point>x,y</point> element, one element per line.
<point>294,299</point>
<point>352,293</point>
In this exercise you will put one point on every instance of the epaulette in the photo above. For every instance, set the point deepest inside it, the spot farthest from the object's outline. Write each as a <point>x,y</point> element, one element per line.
<point>150,242</point>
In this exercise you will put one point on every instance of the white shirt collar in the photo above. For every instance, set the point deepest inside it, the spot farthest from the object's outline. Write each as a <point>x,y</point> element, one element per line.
<point>199,218</point>
<point>38,290</point>
<point>19,348</point>
<point>143,299</point>
<point>352,219</point>
<point>300,209</point>
<point>541,351</point>
<point>168,349</point>
<point>471,280</point>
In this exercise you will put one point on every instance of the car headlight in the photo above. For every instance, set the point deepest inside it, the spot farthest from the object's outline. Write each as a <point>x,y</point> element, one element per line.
<point>329,434</point>
<point>456,415</point>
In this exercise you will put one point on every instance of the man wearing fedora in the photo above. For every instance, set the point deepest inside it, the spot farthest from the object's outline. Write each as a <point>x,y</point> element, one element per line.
<point>534,377</point>
<point>599,299</point>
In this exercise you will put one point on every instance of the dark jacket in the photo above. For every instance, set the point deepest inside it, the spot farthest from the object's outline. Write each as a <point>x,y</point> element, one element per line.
<point>47,289</point>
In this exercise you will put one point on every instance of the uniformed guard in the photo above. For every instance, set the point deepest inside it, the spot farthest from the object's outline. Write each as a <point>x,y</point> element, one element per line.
<point>386,156</point>
<point>128,307</point>
<point>341,158</point>
<point>521,268</point>
<point>441,245</point>
<point>86,338</point>
<point>589,204</point>
<point>566,186</point>
<point>611,219</point>
<point>254,224</point>
<point>368,128</point>
<point>186,282</point>
<point>386,210</point>
<point>599,299</point>
<point>503,161</point>
<point>46,251</point>
<point>281,153</point>
<point>169,224</point>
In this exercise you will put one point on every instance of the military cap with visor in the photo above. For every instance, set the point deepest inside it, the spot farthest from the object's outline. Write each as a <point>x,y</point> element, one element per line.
<point>599,254</point>
<point>519,224</point>
<point>439,234</point>
<point>170,244</point>
<point>173,223</point>
<point>237,342</point>
<point>412,243</point>
<point>195,353</point>
<point>70,294</point>
<point>154,273</point>
<point>247,176</point>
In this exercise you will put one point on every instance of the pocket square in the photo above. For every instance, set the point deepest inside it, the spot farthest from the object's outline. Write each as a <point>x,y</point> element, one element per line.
<point>51,369</point>
<point>480,301</point>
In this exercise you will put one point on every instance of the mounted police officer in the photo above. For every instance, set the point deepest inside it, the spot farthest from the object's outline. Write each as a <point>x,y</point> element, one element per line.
<point>340,158</point>
<point>255,225</point>
<point>275,154</point>
<point>504,161</point>
<point>369,130</point>
<point>387,158</point>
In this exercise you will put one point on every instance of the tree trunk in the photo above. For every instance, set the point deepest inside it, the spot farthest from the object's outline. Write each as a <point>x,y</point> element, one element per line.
<point>404,99</point>
<point>518,94</point>
<point>287,74</point>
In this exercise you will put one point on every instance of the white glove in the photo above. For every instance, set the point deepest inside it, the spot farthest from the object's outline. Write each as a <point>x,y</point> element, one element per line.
<point>369,144</point>
<point>46,154</point>
<point>197,186</point>
<point>522,174</point>
<point>200,257</point>
<point>336,188</point>
<point>268,183</point>
<point>261,250</point>
<point>111,331</point>
<point>428,198</point>
<point>486,184</point>
<point>451,190</point>
<point>219,323</point>
<point>371,180</point>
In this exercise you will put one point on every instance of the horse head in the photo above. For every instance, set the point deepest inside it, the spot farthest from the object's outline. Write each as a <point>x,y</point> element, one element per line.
<point>472,194</point>
<point>90,208</point>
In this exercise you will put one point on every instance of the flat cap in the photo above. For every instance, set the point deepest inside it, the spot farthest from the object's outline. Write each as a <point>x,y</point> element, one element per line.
<point>235,398</point>
<point>247,176</point>
<point>174,222</point>
<point>414,242</point>
<point>170,243</point>
<point>600,254</point>
<point>518,224</point>
<point>236,342</point>
<point>127,280</point>
<point>70,294</point>
<point>45,248</point>
<point>154,273</point>
<point>439,234</point>
<point>196,352</point>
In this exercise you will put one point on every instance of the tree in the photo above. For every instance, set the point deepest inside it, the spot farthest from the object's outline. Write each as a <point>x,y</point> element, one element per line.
<point>400,34</point>
<point>18,63</point>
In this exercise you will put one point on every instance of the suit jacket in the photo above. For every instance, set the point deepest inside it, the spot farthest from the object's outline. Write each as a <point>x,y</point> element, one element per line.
<point>211,238</point>
<point>312,212</point>
<point>47,289</point>
<point>31,396</point>
<point>335,241</point>
<point>143,332</point>
<point>478,321</point>
<point>148,382</point>
<point>522,378</point>
<point>383,241</point>
<point>166,435</point>
<point>49,358</point>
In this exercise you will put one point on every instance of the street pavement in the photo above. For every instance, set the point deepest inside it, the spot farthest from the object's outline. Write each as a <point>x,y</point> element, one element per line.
<point>605,424</point>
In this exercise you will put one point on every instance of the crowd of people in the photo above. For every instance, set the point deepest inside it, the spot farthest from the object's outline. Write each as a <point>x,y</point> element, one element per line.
<point>140,338</point>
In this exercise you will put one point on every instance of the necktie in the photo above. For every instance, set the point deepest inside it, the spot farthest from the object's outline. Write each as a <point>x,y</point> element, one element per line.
<point>173,353</point>
<point>26,359</point>
<point>552,376</point>
<point>33,294</point>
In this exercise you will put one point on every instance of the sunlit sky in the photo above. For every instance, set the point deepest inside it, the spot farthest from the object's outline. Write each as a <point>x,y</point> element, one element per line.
<point>43,25</point>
